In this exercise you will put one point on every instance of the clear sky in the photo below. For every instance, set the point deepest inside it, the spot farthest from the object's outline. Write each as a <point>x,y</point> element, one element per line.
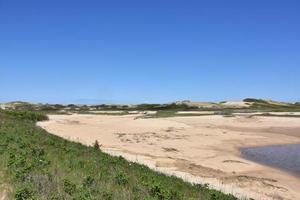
<point>96,51</point>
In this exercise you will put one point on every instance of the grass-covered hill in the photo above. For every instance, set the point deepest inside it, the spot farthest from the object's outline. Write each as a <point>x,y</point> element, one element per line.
<point>39,166</point>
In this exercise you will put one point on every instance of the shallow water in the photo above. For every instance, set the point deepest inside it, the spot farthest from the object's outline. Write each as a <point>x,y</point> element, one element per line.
<point>285,157</point>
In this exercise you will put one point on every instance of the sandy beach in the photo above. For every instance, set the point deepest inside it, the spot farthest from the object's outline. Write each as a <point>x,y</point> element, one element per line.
<point>200,149</point>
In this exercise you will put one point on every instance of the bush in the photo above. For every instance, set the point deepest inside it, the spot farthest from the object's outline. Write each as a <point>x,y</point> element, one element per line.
<point>69,187</point>
<point>25,193</point>
<point>107,196</point>
<point>251,100</point>
<point>121,178</point>
<point>26,115</point>
<point>82,194</point>
<point>96,145</point>
<point>157,191</point>
<point>88,181</point>
<point>56,197</point>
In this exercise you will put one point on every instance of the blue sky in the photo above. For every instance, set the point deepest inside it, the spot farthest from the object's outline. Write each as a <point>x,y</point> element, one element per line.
<point>71,51</point>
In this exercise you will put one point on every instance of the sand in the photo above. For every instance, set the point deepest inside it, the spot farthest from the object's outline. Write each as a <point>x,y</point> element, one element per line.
<point>200,149</point>
<point>237,104</point>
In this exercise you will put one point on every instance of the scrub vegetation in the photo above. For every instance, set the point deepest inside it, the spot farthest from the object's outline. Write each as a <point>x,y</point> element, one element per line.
<point>165,114</point>
<point>254,105</point>
<point>41,166</point>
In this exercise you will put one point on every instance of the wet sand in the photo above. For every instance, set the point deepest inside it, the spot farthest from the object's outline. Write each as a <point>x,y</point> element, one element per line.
<point>201,149</point>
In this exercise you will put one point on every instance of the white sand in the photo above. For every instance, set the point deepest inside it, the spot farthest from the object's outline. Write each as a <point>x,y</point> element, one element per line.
<point>202,149</point>
<point>237,104</point>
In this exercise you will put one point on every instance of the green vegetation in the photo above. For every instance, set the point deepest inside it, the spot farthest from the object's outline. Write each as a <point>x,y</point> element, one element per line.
<point>250,100</point>
<point>269,106</point>
<point>112,113</point>
<point>165,114</point>
<point>41,166</point>
<point>164,107</point>
<point>276,115</point>
<point>225,113</point>
<point>163,110</point>
<point>25,115</point>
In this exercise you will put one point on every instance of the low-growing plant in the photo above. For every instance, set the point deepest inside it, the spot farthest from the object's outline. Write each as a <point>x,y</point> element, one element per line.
<point>25,193</point>
<point>107,195</point>
<point>88,181</point>
<point>121,178</point>
<point>69,187</point>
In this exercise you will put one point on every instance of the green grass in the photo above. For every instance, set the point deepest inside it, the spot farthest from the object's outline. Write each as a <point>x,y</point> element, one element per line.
<point>41,166</point>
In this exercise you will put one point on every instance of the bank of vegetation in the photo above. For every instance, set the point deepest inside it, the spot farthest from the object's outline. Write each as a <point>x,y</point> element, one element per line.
<point>41,166</point>
<point>252,105</point>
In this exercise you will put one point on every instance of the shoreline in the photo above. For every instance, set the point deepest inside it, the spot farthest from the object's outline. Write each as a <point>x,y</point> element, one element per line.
<point>197,149</point>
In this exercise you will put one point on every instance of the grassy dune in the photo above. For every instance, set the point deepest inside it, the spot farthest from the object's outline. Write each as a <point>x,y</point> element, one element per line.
<point>165,110</point>
<point>38,165</point>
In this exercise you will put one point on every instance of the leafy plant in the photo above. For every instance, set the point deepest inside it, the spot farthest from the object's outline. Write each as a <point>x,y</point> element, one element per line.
<point>69,187</point>
<point>25,193</point>
<point>121,178</point>
<point>107,196</point>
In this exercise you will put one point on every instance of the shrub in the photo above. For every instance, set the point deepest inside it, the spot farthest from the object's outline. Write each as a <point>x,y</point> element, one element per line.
<point>156,190</point>
<point>251,100</point>
<point>69,187</point>
<point>25,193</point>
<point>56,197</point>
<point>121,178</point>
<point>175,195</point>
<point>88,181</point>
<point>96,145</point>
<point>82,194</point>
<point>107,196</point>
<point>27,115</point>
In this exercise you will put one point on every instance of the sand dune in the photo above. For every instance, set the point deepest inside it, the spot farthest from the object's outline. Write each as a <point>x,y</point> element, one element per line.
<point>202,149</point>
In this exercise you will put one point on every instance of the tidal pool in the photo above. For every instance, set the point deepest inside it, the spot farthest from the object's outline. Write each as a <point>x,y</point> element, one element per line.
<point>285,157</point>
